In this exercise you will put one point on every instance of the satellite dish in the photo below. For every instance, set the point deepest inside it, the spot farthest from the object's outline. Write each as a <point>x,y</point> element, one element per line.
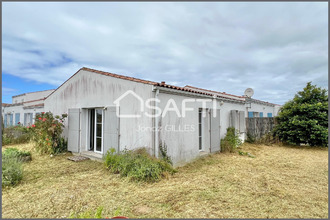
<point>249,92</point>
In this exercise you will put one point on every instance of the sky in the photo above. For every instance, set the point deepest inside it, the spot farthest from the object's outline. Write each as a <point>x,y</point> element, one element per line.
<point>274,48</point>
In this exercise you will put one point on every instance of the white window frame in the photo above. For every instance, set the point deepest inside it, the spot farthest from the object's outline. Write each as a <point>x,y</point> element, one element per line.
<point>95,131</point>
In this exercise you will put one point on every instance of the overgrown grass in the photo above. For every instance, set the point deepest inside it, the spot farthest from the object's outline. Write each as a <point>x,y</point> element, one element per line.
<point>280,182</point>
<point>137,165</point>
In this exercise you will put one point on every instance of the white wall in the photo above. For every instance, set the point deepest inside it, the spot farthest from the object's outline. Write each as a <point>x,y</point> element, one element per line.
<point>19,109</point>
<point>183,145</point>
<point>90,90</point>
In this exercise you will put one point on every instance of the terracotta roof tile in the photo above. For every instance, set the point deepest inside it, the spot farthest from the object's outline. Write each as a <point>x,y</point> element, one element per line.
<point>163,84</point>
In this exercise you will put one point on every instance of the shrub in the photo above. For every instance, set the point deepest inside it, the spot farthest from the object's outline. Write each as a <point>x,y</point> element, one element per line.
<point>304,119</point>
<point>47,132</point>
<point>15,135</point>
<point>231,140</point>
<point>12,171</point>
<point>163,153</point>
<point>138,165</point>
<point>250,138</point>
<point>20,155</point>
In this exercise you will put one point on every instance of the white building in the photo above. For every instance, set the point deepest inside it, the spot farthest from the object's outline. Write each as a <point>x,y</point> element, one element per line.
<point>24,107</point>
<point>107,110</point>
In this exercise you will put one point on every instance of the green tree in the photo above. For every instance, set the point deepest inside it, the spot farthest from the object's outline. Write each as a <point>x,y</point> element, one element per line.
<point>304,119</point>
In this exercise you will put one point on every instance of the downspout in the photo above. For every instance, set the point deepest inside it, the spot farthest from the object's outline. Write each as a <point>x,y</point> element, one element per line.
<point>210,129</point>
<point>155,125</point>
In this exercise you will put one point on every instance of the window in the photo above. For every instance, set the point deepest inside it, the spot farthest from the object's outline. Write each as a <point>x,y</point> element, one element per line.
<point>269,115</point>
<point>28,119</point>
<point>200,128</point>
<point>261,114</point>
<point>250,114</point>
<point>17,118</point>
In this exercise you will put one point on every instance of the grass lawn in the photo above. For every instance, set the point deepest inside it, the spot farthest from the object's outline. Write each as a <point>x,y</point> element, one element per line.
<point>281,182</point>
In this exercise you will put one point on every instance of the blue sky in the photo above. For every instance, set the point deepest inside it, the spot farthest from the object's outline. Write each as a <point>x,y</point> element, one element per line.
<point>273,47</point>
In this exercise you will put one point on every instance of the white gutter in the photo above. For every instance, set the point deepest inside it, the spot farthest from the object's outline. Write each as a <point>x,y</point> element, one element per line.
<point>190,94</point>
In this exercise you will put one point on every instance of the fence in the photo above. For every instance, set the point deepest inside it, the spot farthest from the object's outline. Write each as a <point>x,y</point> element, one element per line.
<point>258,127</point>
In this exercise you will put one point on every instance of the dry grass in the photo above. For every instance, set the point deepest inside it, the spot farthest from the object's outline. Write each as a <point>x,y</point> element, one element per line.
<point>281,182</point>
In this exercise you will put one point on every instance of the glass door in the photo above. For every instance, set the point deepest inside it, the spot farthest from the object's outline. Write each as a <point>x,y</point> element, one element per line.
<point>98,135</point>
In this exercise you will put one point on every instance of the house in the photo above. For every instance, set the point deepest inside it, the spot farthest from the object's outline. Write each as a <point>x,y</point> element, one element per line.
<point>107,110</point>
<point>24,108</point>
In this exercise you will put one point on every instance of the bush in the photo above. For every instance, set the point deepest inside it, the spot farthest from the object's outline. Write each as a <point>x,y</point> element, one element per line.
<point>47,132</point>
<point>250,138</point>
<point>15,135</point>
<point>138,165</point>
<point>304,120</point>
<point>163,154</point>
<point>20,155</point>
<point>12,171</point>
<point>231,140</point>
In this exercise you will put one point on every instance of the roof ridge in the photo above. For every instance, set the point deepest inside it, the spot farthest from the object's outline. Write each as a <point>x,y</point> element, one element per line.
<point>224,93</point>
<point>119,76</point>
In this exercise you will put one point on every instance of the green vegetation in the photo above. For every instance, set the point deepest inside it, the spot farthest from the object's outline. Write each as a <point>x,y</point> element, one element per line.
<point>250,138</point>
<point>12,170</point>
<point>242,153</point>
<point>231,140</point>
<point>304,120</point>
<point>20,155</point>
<point>47,132</point>
<point>138,165</point>
<point>89,214</point>
<point>15,135</point>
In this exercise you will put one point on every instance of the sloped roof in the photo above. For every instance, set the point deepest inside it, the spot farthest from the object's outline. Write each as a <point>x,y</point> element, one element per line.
<point>32,92</point>
<point>187,88</point>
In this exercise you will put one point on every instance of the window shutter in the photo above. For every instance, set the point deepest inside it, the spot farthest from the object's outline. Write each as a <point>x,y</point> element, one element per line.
<point>215,131</point>
<point>11,119</point>
<point>233,114</point>
<point>5,120</point>
<point>74,130</point>
<point>110,130</point>
<point>241,121</point>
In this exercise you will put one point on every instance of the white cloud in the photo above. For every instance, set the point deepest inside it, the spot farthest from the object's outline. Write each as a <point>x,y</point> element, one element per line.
<point>272,47</point>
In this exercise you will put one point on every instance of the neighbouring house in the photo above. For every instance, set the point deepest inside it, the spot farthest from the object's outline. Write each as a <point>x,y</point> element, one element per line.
<point>24,108</point>
<point>107,110</point>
